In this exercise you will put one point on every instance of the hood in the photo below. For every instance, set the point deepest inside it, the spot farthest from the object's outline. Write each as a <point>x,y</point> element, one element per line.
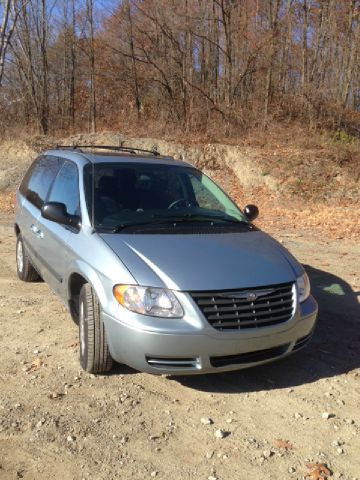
<point>205,262</point>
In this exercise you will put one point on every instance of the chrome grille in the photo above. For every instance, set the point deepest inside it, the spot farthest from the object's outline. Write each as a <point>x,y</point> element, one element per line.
<point>247,308</point>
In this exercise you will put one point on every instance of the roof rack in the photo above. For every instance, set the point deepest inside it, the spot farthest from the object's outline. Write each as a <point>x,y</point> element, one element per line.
<point>109,147</point>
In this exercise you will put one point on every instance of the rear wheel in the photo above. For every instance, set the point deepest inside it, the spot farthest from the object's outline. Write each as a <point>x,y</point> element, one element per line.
<point>94,351</point>
<point>25,271</point>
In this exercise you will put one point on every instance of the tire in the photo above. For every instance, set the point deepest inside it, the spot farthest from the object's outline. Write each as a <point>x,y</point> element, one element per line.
<point>25,271</point>
<point>94,351</point>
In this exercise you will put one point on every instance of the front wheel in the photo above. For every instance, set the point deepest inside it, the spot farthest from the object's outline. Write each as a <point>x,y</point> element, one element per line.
<point>94,351</point>
<point>25,271</point>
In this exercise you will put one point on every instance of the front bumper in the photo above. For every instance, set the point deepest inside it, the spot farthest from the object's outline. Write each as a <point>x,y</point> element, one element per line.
<point>203,349</point>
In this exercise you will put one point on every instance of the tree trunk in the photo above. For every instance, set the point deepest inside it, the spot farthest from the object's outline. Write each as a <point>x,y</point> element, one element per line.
<point>9,17</point>
<point>92,96</point>
<point>274,6</point>
<point>133,61</point>
<point>304,70</point>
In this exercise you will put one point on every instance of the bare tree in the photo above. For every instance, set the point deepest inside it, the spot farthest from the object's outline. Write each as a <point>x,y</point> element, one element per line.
<point>203,66</point>
<point>273,14</point>
<point>9,12</point>
<point>91,54</point>
<point>30,54</point>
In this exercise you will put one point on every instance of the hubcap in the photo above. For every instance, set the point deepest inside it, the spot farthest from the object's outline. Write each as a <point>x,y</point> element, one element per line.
<point>82,328</point>
<point>20,256</point>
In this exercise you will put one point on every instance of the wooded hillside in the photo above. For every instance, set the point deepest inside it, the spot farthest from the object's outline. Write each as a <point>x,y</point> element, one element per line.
<point>199,66</point>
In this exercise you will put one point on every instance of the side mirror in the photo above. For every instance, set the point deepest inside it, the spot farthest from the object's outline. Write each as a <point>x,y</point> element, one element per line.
<point>251,212</point>
<point>56,212</point>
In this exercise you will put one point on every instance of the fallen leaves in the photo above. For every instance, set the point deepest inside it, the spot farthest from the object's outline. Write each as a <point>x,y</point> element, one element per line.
<point>7,202</point>
<point>319,471</point>
<point>35,365</point>
<point>285,444</point>
<point>286,213</point>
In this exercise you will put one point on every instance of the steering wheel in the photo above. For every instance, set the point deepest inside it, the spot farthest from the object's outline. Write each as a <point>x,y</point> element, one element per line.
<point>179,201</point>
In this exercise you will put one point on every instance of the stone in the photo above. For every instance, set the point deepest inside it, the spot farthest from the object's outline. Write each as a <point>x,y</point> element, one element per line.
<point>220,433</point>
<point>206,421</point>
<point>40,423</point>
<point>267,453</point>
<point>327,415</point>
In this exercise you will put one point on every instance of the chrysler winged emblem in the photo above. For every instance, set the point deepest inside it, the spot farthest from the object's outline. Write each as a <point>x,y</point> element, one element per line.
<point>248,295</point>
<point>251,296</point>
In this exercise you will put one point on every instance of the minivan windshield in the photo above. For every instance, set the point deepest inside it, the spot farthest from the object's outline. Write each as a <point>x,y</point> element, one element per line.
<point>125,194</point>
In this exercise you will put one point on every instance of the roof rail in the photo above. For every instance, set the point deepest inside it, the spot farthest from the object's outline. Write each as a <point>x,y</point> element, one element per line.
<point>109,147</point>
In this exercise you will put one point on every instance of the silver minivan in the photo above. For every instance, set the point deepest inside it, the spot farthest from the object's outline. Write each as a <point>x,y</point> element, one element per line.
<point>157,265</point>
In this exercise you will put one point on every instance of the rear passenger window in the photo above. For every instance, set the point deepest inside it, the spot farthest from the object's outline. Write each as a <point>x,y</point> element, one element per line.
<point>66,189</point>
<point>39,179</point>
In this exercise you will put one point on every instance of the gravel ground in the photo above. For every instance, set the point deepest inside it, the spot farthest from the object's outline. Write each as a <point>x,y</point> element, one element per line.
<point>269,422</point>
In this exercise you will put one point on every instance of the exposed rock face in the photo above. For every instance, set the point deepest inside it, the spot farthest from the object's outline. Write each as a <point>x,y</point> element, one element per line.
<point>15,157</point>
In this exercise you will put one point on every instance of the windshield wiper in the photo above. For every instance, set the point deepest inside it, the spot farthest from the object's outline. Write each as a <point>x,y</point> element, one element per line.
<point>160,221</point>
<point>122,226</point>
<point>176,219</point>
<point>198,217</point>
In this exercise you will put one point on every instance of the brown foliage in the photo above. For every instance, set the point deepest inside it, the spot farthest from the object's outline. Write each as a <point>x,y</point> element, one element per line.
<point>284,444</point>
<point>319,471</point>
<point>207,67</point>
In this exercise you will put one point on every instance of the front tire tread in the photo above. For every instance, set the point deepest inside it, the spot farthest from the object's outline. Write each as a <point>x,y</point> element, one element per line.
<point>96,357</point>
<point>28,272</point>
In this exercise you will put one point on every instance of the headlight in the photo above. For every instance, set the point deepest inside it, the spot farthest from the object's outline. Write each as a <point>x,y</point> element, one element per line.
<point>303,286</point>
<point>157,302</point>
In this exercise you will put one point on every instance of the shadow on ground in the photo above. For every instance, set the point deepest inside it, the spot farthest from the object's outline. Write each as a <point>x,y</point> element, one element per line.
<point>334,349</point>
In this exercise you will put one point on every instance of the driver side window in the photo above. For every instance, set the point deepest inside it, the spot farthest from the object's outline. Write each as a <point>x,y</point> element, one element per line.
<point>66,188</point>
<point>204,197</point>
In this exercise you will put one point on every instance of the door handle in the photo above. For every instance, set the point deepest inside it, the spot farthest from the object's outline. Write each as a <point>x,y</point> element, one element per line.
<point>36,231</point>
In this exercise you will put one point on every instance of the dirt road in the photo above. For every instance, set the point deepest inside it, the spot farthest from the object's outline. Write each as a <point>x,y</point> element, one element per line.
<point>57,422</point>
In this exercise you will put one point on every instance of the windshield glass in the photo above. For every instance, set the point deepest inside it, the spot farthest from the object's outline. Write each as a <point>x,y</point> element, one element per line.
<point>140,193</point>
